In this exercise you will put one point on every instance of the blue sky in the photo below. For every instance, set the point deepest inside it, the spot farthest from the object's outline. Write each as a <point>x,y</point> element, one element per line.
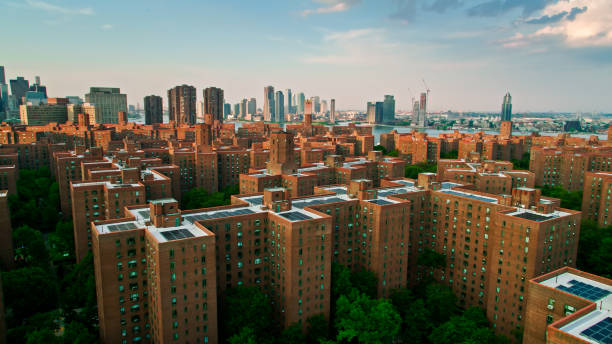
<point>552,55</point>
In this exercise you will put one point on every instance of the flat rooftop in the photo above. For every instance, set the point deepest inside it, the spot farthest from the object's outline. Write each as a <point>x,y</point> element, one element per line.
<point>470,195</point>
<point>596,326</point>
<point>532,215</point>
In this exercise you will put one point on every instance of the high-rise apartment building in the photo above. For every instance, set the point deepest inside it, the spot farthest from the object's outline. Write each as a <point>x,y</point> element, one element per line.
<point>268,110</point>
<point>279,107</point>
<point>243,107</point>
<point>154,112</point>
<point>109,102</point>
<point>213,103</point>
<point>227,109</point>
<point>182,104</point>
<point>316,102</point>
<point>389,109</point>
<point>506,112</point>
<point>252,107</point>
<point>324,106</point>
<point>156,276</point>
<point>301,99</point>
<point>19,87</point>
<point>289,105</point>
<point>43,114</point>
<point>2,75</point>
<point>375,112</point>
<point>332,111</point>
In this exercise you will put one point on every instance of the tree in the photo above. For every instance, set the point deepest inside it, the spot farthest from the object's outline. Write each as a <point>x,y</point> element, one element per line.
<point>569,199</point>
<point>199,198</point>
<point>28,291</point>
<point>441,302</point>
<point>470,327</point>
<point>317,329</point>
<point>416,323</point>
<point>292,335</point>
<point>523,163</point>
<point>30,248</point>
<point>78,333</point>
<point>412,171</point>
<point>245,336</point>
<point>366,320</point>
<point>595,249</point>
<point>381,149</point>
<point>365,282</point>
<point>449,155</point>
<point>393,153</point>
<point>43,336</point>
<point>432,259</point>
<point>79,286</point>
<point>61,242</point>
<point>341,281</point>
<point>37,193</point>
<point>246,307</point>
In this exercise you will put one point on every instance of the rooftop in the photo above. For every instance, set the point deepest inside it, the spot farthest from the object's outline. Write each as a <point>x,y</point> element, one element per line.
<point>595,326</point>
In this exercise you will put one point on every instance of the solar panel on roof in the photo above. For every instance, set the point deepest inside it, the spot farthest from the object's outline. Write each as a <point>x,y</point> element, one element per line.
<point>469,195</point>
<point>295,216</point>
<point>217,215</point>
<point>394,191</point>
<point>145,214</point>
<point>379,201</point>
<point>585,290</point>
<point>177,234</point>
<point>122,226</point>
<point>315,201</point>
<point>532,216</point>
<point>601,332</point>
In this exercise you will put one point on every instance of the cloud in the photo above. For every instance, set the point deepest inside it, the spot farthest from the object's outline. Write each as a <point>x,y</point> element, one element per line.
<point>406,10</point>
<point>590,28</point>
<point>361,47</point>
<point>107,27</point>
<point>546,19</point>
<point>493,8</point>
<point>576,11</point>
<point>440,6</point>
<point>332,6</point>
<point>48,7</point>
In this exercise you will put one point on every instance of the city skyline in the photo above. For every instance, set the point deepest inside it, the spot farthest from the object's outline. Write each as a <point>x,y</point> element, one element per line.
<point>551,55</point>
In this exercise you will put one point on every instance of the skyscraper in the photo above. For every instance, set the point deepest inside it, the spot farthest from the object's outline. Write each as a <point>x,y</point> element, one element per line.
<point>300,103</point>
<point>374,112</point>
<point>243,108</point>
<point>153,109</point>
<point>236,110</point>
<point>389,109</point>
<point>268,110</point>
<point>213,103</point>
<point>227,109</point>
<point>324,106</point>
<point>109,102</point>
<point>182,104</point>
<point>332,111</point>
<point>19,87</point>
<point>506,112</point>
<point>422,119</point>
<point>252,107</point>
<point>316,104</point>
<point>279,108</point>
<point>289,108</point>
<point>2,76</point>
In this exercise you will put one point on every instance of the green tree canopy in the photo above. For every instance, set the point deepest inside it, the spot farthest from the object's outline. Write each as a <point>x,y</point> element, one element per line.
<point>28,291</point>
<point>366,320</point>
<point>245,336</point>
<point>470,327</point>
<point>569,199</point>
<point>412,171</point>
<point>37,193</point>
<point>595,249</point>
<point>30,248</point>
<point>199,198</point>
<point>246,307</point>
<point>441,302</point>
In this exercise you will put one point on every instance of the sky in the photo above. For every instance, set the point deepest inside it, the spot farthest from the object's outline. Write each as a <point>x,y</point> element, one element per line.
<point>551,55</point>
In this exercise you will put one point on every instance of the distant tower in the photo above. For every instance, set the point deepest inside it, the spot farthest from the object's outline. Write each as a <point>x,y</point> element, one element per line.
<point>279,107</point>
<point>332,110</point>
<point>423,110</point>
<point>252,107</point>
<point>182,104</point>
<point>268,110</point>
<point>301,99</point>
<point>19,87</point>
<point>289,94</point>
<point>153,109</point>
<point>389,109</point>
<point>213,102</point>
<point>506,112</point>
<point>227,109</point>
<point>2,76</point>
